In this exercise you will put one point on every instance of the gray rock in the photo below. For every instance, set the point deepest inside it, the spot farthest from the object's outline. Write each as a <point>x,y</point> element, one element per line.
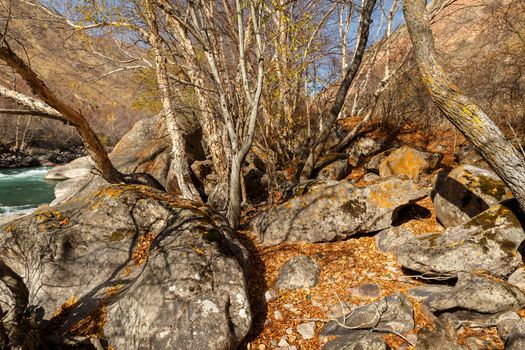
<point>369,177</point>
<point>487,242</point>
<point>358,340</point>
<point>374,162</point>
<point>392,239</point>
<point>145,148</point>
<point>299,272</point>
<point>393,313</point>
<point>516,339</point>
<point>78,186</point>
<point>306,330</point>
<point>478,294</point>
<point>336,211</point>
<point>466,192</point>
<point>165,272</point>
<point>277,315</point>
<point>283,342</point>
<point>467,154</point>
<point>444,336</point>
<point>363,147</point>
<point>409,162</point>
<point>506,322</point>
<point>339,310</point>
<point>366,291</point>
<point>337,170</point>
<point>425,291</point>
<point>77,168</point>
<point>271,295</point>
<point>518,278</point>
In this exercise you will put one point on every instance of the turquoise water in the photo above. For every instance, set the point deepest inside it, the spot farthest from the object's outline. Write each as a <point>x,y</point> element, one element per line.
<point>24,189</point>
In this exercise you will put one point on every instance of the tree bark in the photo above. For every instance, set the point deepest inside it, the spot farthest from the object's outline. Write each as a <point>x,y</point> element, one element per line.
<point>351,72</point>
<point>212,127</point>
<point>468,118</point>
<point>179,155</point>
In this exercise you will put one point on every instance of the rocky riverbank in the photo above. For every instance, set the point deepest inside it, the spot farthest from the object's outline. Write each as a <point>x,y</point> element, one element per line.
<point>35,157</point>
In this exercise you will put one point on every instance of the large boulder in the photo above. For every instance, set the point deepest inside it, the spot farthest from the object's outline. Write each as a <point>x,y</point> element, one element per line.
<point>336,211</point>
<point>476,294</point>
<point>145,148</point>
<point>488,242</point>
<point>147,270</point>
<point>465,192</point>
<point>442,336</point>
<point>409,162</point>
<point>77,168</point>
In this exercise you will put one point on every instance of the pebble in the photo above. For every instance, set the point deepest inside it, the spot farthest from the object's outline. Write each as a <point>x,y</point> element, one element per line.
<point>306,330</point>
<point>283,342</point>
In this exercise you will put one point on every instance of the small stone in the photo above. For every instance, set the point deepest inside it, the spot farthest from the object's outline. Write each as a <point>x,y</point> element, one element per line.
<point>290,307</point>
<point>299,272</point>
<point>306,330</point>
<point>277,315</point>
<point>289,330</point>
<point>283,342</point>
<point>271,295</point>
<point>261,347</point>
<point>366,291</point>
<point>369,177</point>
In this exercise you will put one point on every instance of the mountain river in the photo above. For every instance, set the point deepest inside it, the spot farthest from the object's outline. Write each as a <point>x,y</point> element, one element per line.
<point>24,189</point>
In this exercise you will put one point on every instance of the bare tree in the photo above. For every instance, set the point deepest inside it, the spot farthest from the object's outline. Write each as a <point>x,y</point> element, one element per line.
<point>179,157</point>
<point>55,108</point>
<point>239,109</point>
<point>351,72</point>
<point>468,118</point>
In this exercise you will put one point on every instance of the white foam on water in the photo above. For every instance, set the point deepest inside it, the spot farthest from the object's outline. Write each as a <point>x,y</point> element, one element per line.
<point>33,173</point>
<point>17,209</point>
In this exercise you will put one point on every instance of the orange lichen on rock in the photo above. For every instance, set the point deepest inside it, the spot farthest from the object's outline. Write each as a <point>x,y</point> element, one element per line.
<point>382,197</point>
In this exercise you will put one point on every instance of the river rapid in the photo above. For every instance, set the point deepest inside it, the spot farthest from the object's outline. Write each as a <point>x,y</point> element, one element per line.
<point>24,189</point>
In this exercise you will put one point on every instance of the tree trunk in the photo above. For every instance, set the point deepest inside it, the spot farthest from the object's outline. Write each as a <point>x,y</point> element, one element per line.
<point>212,127</point>
<point>235,193</point>
<point>362,39</point>
<point>179,156</point>
<point>470,120</point>
<point>93,145</point>
<point>54,108</point>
